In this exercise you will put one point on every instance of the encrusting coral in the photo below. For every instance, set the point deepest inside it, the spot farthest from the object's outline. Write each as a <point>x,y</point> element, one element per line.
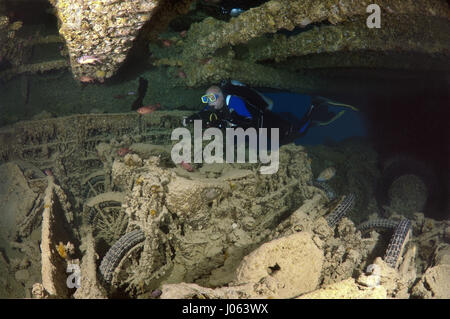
<point>10,46</point>
<point>425,35</point>
<point>287,14</point>
<point>17,50</point>
<point>193,220</point>
<point>249,47</point>
<point>34,68</point>
<point>213,50</point>
<point>104,30</point>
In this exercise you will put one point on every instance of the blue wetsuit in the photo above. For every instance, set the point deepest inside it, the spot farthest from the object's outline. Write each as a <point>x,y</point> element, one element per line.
<point>238,112</point>
<point>246,108</point>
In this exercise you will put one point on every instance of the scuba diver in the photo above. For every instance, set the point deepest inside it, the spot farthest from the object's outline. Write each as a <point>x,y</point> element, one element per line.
<point>234,104</point>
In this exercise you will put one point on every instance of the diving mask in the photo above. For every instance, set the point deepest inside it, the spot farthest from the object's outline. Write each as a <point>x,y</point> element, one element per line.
<point>210,98</point>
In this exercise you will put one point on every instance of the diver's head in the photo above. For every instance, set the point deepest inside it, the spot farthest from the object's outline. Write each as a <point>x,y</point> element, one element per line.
<point>214,97</point>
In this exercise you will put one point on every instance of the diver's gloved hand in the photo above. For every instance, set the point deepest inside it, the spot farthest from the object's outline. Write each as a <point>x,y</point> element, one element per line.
<point>187,120</point>
<point>214,120</point>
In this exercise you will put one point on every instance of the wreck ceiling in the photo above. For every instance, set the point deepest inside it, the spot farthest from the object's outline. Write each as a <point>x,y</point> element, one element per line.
<point>261,47</point>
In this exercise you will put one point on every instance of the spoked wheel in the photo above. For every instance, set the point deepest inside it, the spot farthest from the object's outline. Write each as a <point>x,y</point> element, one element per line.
<point>131,268</point>
<point>96,183</point>
<point>117,266</point>
<point>107,218</point>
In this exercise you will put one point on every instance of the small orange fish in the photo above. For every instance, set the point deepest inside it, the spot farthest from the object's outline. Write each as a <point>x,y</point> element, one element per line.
<point>181,74</point>
<point>205,61</point>
<point>48,172</point>
<point>183,33</point>
<point>88,59</point>
<point>167,43</point>
<point>148,109</point>
<point>123,151</point>
<point>86,79</point>
<point>187,166</point>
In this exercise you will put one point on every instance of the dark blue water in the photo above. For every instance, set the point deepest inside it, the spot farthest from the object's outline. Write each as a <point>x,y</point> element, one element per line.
<point>350,124</point>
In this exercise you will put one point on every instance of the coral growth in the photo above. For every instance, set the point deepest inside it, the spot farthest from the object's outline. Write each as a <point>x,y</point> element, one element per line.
<point>223,226</point>
<point>214,50</point>
<point>106,29</point>
<point>10,45</point>
<point>196,223</point>
<point>18,50</point>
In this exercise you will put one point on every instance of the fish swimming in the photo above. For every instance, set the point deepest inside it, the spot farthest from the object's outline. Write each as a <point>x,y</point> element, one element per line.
<point>86,79</point>
<point>123,151</point>
<point>167,43</point>
<point>187,166</point>
<point>326,174</point>
<point>88,59</point>
<point>181,74</point>
<point>148,109</point>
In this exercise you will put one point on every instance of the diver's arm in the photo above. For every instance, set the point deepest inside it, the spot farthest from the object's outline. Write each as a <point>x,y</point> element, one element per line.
<point>239,121</point>
<point>195,116</point>
<point>202,115</point>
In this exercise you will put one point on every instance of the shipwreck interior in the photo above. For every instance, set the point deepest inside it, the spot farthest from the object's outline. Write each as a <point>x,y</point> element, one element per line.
<point>71,132</point>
